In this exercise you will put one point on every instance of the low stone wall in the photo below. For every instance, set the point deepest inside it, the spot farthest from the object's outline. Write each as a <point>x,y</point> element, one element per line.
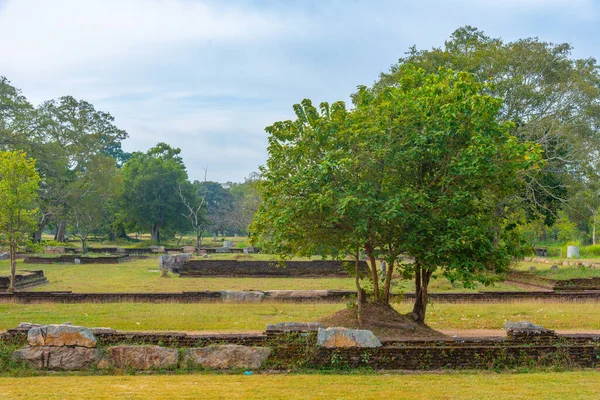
<point>282,296</point>
<point>76,259</point>
<point>24,280</point>
<point>290,346</point>
<point>238,268</point>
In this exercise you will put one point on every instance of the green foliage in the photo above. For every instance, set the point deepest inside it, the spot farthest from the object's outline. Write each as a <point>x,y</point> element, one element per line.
<point>416,169</point>
<point>550,97</point>
<point>151,200</point>
<point>19,184</point>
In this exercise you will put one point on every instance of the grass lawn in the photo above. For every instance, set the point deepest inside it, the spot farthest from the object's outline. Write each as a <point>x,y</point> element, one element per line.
<point>244,317</point>
<point>539,385</point>
<point>143,276</point>
<point>562,273</point>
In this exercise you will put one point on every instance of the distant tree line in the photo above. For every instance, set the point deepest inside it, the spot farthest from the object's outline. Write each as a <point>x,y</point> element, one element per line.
<point>90,187</point>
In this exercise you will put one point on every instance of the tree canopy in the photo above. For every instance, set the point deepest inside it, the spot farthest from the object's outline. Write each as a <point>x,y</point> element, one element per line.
<point>19,184</point>
<point>416,169</point>
<point>551,98</point>
<point>151,190</point>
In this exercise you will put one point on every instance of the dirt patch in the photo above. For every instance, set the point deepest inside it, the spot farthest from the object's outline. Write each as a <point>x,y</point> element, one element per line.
<point>383,321</point>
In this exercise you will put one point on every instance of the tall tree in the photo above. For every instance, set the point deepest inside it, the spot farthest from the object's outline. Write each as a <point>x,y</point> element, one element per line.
<point>219,205</point>
<point>151,200</point>
<point>74,134</point>
<point>94,190</point>
<point>415,169</point>
<point>245,202</point>
<point>551,98</point>
<point>19,183</point>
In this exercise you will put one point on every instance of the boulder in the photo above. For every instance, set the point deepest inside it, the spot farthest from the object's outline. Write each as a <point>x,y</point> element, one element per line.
<point>345,337</point>
<point>58,358</point>
<point>4,256</point>
<point>140,357</point>
<point>61,335</point>
<point>226,356</point>
<point>227,243</point>
<point>251,296</point>
<point>526,328</point>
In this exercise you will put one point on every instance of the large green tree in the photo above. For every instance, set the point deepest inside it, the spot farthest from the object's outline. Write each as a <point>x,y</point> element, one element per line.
<point>151,199</point>
<point>93,193</point>
<point>551,98</point>
<point>415,169</point>
<point>19,183</point>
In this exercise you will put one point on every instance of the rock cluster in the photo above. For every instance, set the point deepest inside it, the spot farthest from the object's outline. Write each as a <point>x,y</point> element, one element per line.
<point>70,348</point>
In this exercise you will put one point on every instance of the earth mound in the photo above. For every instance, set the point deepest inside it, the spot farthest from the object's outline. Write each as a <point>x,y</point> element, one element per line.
<point>383,320</point>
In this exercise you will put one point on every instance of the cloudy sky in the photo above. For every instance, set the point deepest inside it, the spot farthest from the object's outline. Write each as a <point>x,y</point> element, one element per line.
<point>208,76</point>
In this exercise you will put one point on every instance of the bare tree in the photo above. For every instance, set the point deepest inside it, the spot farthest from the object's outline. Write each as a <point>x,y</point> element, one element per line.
<point>195,214</point>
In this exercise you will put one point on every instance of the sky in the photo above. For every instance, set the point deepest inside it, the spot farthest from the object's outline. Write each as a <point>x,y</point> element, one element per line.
<point>209,76</point>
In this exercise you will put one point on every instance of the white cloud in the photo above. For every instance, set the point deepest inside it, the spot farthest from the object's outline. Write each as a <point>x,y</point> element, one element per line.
<point>68,33</point>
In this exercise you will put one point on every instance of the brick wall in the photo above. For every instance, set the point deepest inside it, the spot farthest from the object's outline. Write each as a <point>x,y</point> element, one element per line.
<point>197,268</point>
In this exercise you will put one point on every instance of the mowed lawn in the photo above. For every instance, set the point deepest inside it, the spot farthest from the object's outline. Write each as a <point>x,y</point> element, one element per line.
<point>144,276</point>
<point>480,386</point>
<point>250,317</point>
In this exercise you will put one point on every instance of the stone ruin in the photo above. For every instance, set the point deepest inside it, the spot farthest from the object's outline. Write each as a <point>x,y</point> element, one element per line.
<point>172,262</point>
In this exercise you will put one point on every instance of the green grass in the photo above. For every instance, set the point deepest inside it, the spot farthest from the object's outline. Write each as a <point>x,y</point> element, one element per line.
<point>541,385</point>
<point>244,317</point>
<point>562,273</point>
<point>143,276</point>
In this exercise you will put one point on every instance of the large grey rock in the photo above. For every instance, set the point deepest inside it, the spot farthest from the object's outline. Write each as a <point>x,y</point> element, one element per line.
<point>4,256</point>
<point>140,357</point>
<point>61,335</point>
<point>522,326</point>
<point>294,326</point>
<point>251,296</point>
<point>226,356</point>
<point>227,243</point>
<point>222,250</point>
<point>157,249</point>
<point>173,262</point>
<point>345,337</point>
<point>526,328</point>
<point>58,358</point>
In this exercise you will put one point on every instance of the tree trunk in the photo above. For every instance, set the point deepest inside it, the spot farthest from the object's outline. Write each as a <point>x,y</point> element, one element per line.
<point>83,246</point>
<point>388,282</point>
<point>59,236</point>
<point>360,294</point>
<point>155,233</point>
<point>13,266</point>
<point>37,235</point>
<point>374,275</point>
<point>422,277</point>
<point>120,232</point>
<point>198,242</point>
<point>594,230</point>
